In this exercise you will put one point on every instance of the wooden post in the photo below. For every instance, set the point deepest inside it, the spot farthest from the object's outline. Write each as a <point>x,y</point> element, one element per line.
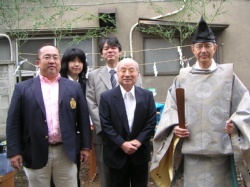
<point>180,100</point>
<point>92,159</point>
<point>7,180</point>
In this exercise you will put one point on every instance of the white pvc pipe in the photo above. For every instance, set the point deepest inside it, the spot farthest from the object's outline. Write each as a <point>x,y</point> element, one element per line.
<point>11,54</point>
<point>157,17</point>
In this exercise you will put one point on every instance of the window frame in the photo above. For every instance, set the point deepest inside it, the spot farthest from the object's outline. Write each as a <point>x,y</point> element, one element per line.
<point>145,73</point>
<point>217,57</point>
<point>27,73</point>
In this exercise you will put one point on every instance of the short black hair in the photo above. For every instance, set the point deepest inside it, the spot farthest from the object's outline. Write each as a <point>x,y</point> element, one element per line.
<point>69,55</point>
<point>111,41</point>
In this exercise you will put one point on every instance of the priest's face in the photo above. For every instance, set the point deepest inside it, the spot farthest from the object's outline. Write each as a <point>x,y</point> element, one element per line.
<point>204,53</point>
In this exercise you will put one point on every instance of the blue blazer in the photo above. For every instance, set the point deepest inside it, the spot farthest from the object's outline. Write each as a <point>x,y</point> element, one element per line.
<point>115,126</point>
<point>27,130</point>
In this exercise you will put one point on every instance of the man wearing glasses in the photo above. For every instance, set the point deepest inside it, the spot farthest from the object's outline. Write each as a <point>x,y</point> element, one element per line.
<point>43,118</point>
<point>99,81</point>
<point>128,119</point>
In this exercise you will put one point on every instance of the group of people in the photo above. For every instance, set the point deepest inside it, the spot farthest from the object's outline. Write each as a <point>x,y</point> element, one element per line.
<point>48,123</point>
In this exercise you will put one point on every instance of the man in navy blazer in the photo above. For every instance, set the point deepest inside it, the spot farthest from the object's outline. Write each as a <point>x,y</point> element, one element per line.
<point>43,121</point>
<point>128,119</point>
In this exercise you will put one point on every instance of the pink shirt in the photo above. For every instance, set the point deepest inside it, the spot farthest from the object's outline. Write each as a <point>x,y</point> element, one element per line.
<point>50,91</point>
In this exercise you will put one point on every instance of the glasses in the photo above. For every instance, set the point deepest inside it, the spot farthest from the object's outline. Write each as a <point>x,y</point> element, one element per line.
<point>130,70</point>
<point>48,57</point>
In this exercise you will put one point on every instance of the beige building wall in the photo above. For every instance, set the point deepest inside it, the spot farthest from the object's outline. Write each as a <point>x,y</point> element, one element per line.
<point>233,43</point>
<point>237,38</point>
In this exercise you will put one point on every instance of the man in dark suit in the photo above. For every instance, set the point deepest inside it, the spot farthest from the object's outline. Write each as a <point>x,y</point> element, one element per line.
<point>128,119</point>
<point>99,81</point>
<point>43,118</point>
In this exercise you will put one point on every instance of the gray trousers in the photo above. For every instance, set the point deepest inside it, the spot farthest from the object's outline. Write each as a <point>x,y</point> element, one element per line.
<point>104,174</point>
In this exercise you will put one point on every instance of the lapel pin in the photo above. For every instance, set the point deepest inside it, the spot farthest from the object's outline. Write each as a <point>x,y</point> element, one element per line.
<point>72,103</point>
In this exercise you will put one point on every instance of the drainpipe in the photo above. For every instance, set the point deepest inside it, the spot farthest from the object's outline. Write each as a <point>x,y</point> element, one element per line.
<point>11,54</point>
<point>157,17</point>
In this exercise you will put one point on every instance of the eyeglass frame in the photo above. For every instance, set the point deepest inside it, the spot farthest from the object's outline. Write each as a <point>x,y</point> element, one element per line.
<point>48,57</point>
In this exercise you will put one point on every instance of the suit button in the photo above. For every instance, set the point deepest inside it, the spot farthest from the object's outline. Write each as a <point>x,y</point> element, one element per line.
<point>46,137</point>
<point>45,121</point>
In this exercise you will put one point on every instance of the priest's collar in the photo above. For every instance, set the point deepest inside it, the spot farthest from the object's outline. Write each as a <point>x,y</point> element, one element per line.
<point>198,70</point>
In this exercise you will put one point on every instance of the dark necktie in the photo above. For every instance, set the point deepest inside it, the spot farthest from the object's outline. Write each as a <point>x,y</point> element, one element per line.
<point>112,78</point>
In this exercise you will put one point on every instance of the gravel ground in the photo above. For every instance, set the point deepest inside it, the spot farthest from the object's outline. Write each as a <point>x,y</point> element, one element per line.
<point>21,179</point>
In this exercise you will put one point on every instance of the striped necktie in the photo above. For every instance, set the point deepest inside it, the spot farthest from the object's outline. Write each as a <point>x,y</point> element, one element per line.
<point>112,78</point>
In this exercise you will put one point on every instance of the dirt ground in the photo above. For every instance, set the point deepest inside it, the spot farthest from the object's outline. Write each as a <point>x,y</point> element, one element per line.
<point>21,179</point>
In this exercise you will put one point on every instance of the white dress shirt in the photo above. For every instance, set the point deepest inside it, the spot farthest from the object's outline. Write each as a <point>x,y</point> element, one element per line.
<point>130,104</point>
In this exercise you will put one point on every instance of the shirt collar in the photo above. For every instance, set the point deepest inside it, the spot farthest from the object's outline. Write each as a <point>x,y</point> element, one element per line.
<point>70,78</point>
<point>212,67</point>
<point>111,68</point>
<point>45,79</point>
<point>124,91</point>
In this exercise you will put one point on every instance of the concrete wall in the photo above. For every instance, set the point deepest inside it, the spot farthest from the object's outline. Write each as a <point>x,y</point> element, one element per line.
<point>237,38</point>
<point>7,81</point>
<point>233,44</point>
